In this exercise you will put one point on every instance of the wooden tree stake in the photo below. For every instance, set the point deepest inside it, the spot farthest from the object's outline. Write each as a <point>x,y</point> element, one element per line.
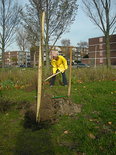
<point>70,73</point>
<point>40,68</point>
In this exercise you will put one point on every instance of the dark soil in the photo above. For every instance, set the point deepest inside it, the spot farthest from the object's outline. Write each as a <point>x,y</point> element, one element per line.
<point>52,109</point>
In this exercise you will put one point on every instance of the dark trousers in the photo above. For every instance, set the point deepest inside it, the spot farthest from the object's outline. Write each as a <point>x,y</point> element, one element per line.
<point>64,80</point>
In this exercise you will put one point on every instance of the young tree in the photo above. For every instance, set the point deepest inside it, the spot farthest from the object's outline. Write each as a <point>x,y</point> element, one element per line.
<point>9,19</point>
<point>82,44</point>
<point>14,60</point>
<point>102,13</point>
<point>83,48</point>
<point>59,15</point>
<point>31,23</point>
<point>21,39</point>
<point>66,43</point>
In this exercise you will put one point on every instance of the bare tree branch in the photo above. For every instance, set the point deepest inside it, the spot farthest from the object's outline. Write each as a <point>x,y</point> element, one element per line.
<point>59,16</point>
<point>9,20</point>
<point>101,14</point>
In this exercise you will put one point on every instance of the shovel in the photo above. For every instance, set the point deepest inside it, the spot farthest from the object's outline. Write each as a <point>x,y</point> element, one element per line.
<point>52,76</point>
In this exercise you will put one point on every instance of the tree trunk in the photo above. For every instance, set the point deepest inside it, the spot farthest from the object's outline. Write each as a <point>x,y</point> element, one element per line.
<point>3,57</point>
<point>47,54</point>
<point>34,59</point>
<point>3,36</point>
<point>70,73</point>
<point>47,37</point>
<point>108,59</point>
<point>3,50</point>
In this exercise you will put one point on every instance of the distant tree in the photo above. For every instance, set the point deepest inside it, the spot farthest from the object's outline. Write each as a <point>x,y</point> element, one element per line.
<point>66,43</point>
<point>14,60</point>
<point>31,24</point>
<point>82,44</point>
<point>59,15</point>
<point>9,20</point>
<point>103,14</point>
<point>82,47</point>
<point>21,39</point>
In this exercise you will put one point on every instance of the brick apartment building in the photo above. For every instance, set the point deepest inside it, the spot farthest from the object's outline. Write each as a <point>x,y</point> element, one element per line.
<point>63,50</point>
<point>97,50</point>
<point>34,54</point>
<point>16,58</point>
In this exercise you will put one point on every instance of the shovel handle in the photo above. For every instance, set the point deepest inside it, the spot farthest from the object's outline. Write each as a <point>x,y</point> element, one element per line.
<point>51,76</point>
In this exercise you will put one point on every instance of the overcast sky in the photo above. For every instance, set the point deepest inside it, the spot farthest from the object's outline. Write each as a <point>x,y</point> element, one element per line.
<point>81,30</point>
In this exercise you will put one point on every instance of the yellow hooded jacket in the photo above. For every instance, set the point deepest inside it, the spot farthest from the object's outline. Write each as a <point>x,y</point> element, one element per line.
<point>60,64</point>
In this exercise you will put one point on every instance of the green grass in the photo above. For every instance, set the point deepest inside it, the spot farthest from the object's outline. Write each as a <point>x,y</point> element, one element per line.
<point>18,95</point>
<point>91,132</point>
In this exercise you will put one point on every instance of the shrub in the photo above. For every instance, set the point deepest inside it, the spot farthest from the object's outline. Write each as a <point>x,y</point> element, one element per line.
<point>28,77</point>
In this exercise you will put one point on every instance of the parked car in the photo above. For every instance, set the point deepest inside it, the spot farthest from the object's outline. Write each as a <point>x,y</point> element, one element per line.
<point>22,66</point>
<point>81,65</point>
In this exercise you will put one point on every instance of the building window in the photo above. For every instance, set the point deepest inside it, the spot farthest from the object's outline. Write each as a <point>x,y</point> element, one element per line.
<point>100,40</point>
<point>101,53</point>
<point>101,60</point>
<point>100,46</point>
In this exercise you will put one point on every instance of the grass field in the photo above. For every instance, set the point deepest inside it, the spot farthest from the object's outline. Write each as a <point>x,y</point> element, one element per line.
<point>91,132</point>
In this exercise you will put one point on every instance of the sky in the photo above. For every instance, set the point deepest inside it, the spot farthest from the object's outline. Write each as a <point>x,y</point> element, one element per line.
<point>81,30</point>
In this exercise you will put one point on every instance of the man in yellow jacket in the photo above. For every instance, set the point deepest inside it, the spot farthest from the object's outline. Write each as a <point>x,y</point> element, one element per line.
<point>59,63</point>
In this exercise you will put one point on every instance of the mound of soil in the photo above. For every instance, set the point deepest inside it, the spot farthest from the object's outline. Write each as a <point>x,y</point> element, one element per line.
<point>52,109</point>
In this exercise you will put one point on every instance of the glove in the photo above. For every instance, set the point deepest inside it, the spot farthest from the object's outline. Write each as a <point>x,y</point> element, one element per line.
<point>62,71</point>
